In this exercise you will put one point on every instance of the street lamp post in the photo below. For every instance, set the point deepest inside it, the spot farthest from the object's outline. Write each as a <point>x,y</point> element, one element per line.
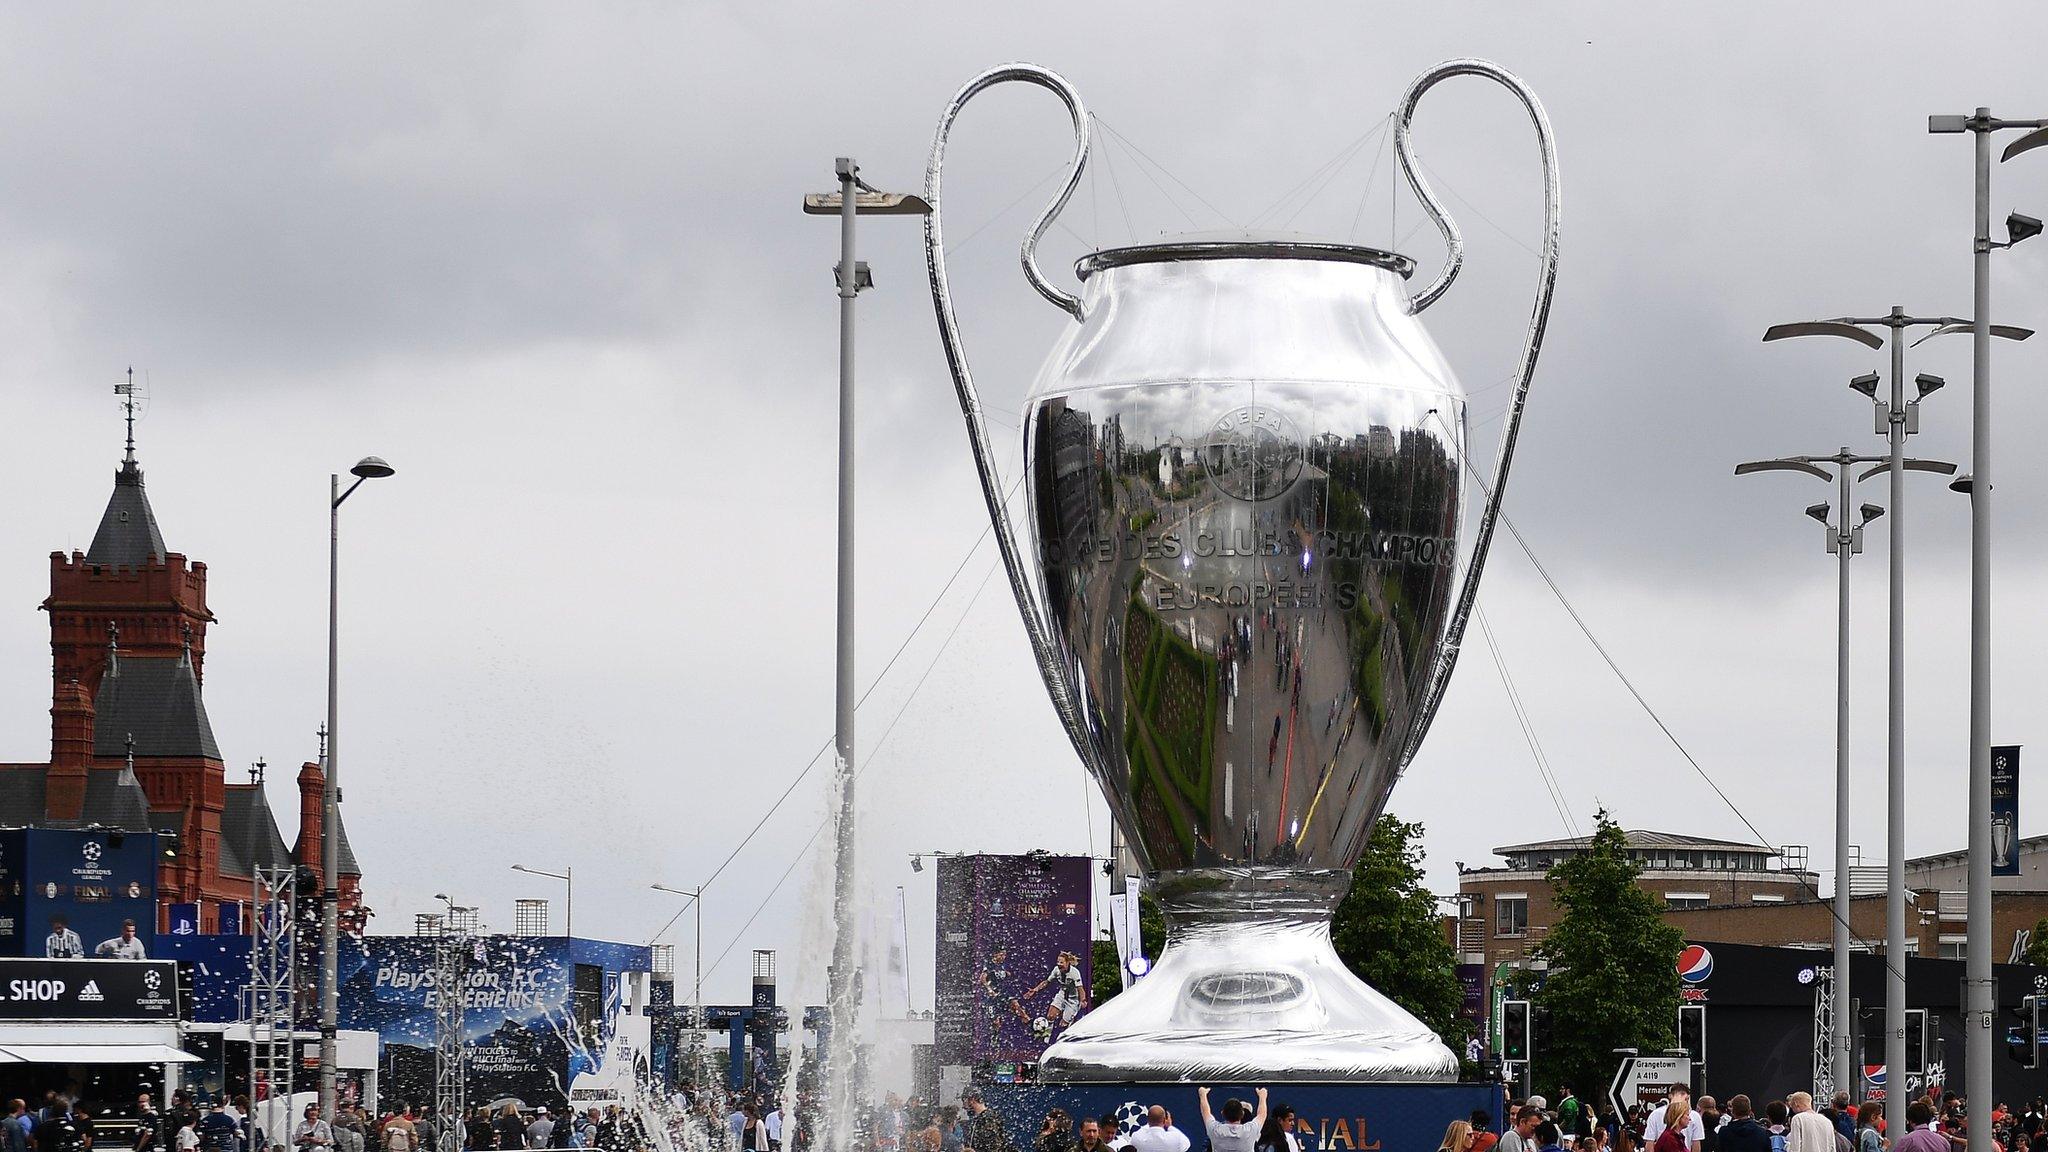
<point>567,876</point>
<point>368,468</point>
<point>1844,540</point>
<point>696,903</point>
<point>1980,1001</point>
<point>1897,418</point>
<point>853,197</point>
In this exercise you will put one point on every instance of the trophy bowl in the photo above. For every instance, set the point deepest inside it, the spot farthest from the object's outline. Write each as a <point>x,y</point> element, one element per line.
<point>1245,585</point>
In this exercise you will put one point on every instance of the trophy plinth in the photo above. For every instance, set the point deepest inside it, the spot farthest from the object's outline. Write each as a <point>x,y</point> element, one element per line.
<point>1249,988</point>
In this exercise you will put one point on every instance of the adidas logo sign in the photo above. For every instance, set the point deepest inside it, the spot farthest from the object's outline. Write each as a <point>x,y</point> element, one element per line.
<point>90,994</point>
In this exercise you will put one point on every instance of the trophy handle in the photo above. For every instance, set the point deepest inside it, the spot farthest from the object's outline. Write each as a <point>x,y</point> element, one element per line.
<point>1539,318</point>
<point>1037,624</point>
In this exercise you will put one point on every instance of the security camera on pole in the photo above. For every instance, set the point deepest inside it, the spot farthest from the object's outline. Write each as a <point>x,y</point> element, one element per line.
<point>1979,1004</point>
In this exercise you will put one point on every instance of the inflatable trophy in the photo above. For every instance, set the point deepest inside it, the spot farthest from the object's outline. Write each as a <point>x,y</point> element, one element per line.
<point>1245,589</point>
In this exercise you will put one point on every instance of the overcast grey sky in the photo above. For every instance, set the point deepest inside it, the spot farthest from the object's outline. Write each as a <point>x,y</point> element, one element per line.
<point>548,260</point>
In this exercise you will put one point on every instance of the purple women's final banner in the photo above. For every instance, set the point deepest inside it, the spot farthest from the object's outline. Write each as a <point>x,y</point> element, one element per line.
<point>1013,964</point>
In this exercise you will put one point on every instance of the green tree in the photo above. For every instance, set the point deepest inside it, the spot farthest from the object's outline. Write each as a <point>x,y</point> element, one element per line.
<point>2037,944</point>
<point>1151,929</point>
<point>1389,933</point>
<point>1613,974</point>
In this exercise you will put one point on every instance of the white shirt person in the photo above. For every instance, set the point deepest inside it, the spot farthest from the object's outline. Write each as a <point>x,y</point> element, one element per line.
<point>123,947</point>
<point>1158,1134</point>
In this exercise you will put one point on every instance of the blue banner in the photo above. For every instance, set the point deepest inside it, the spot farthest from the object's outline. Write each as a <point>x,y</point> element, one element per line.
<point>2005,810</point>
<point>231,919</point>
<point>1327,1117</point>
<point>183,919</point>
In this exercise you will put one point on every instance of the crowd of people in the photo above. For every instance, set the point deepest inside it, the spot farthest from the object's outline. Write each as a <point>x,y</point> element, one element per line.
<point>1797,1123</point>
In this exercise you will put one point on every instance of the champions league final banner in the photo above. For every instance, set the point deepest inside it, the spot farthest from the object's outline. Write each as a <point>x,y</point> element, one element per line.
<point>90,880</point>
<point>1004,922</point>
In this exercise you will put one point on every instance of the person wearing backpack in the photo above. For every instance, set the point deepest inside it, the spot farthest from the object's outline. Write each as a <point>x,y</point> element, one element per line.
<point>401,1134</point>
<point>218,1131</point>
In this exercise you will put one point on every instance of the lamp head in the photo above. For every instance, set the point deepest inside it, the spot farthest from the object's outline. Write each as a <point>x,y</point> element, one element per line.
<point>1866,384</point>
<point>1870,512</point>
<point>1928,383</point>
<point>1818,512</point>
<point>371,468</point>
<point>1962,484</point>
<point>917,863</point>
<point>2019,226</point>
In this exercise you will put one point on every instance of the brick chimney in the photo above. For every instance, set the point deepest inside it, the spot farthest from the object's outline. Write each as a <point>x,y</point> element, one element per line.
<point>70,751</point>
<point>312,785</point>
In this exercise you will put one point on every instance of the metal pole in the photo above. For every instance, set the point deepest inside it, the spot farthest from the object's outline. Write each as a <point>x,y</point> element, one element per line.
<point>569,901</point>
<point>1895,753</point>
<point>330,854</point>
<point>1977,966</point>
<point>1840,1040</point>
<point>839,1081</point>
<point>697,999</point>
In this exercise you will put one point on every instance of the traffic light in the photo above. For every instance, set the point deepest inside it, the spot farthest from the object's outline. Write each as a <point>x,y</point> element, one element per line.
<point>2023,1043</point>
<point>1916,1041</point>
<point>1514,1030</point>
<point>1692,1031</point>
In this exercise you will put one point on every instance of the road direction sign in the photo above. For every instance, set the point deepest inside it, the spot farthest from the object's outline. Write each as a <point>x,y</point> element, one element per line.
<point>1647,1079</point>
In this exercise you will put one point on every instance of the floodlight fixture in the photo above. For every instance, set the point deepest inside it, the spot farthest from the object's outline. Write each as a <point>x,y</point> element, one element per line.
<point>1963,484</point>
<point>917,863</point>
<point>1866,384</point>
<point>1869,512</point>
<point>1842,328</point>
<point>1818,512</point>
<point>2027,143</point>
<point>2020,226</point>
<point>1948,125</point>
<point>1927,383</point>
<point>2002,331</point>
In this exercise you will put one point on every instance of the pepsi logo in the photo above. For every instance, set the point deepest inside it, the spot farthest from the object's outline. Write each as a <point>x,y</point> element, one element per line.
<point>1873,1074</point>
<point>1695,964</point>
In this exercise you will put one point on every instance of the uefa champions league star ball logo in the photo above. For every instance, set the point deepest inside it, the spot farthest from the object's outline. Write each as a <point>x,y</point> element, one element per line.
<point>152,980</point>
<point>1253,453</point>
<point>1130,1116</point>
<point>92,853</point>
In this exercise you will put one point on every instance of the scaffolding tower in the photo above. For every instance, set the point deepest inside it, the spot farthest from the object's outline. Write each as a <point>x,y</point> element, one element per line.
<point>1823,1031</point>
<point>451,955</point>
<point>272,984</point>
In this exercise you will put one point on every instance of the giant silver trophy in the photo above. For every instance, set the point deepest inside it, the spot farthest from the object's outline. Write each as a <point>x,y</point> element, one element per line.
<point>1245,594</point>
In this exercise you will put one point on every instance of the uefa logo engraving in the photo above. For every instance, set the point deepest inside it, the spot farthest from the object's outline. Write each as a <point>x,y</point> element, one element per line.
<point>1253,453</point>
<point>92,852</point>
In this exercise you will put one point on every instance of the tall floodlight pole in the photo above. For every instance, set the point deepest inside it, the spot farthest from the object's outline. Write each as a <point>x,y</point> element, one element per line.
<point>854,196</point>
<point>567,876</point>
<point>1980,1001</point>
<point>368,468</point>
<point>696,903</point>
<point>1844,540</point>
<point>1896,419</point>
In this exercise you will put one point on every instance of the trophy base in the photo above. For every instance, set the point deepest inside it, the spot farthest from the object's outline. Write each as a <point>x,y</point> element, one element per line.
<point>1249,989</point>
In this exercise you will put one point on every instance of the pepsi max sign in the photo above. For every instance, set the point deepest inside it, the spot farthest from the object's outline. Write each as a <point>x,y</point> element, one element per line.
<point>1695,966</point>
<point>1873,1082</point>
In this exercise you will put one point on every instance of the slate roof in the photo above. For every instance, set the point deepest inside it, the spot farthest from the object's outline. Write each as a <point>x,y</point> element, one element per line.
<point>114,799</point>
<point>21,794</point>
<point>128,533</point>
<point>1639,839</point>
<point>245,824</point>
<point>349,867</point>
<point>156,700</point>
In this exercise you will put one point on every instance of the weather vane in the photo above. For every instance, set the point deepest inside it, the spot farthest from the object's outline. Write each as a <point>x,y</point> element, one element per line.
<point>131,399</point>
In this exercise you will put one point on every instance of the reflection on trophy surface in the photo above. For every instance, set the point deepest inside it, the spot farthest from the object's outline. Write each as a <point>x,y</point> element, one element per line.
<point>1245,584</point>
